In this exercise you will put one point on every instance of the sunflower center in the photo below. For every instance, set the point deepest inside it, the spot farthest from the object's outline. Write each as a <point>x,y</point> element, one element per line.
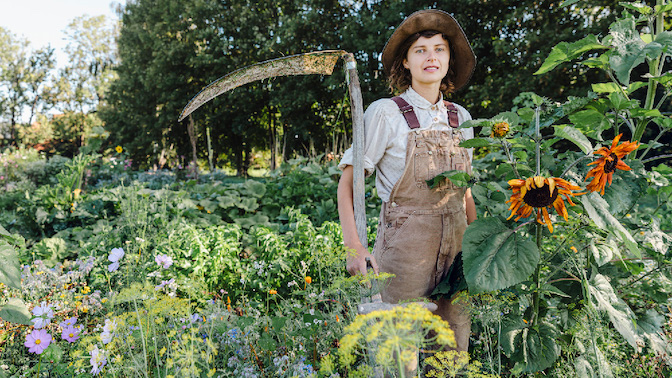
<point>610,164</point>
<point>539,197</point>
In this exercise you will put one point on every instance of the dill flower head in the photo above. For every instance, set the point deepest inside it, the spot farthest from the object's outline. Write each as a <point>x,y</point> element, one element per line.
<point>609,163</point>
<point>538,193</point>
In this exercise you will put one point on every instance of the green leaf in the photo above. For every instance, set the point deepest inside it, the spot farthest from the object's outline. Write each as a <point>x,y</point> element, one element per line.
<point>635,86</point>
<point>248,204</point>
<point>624,191</point>
<point>256,219</point>
<point>53,353</point>
<point>532,349</point>
<point>15,311</point>
<point>256,188</point>
<point>663,8</point>
<point>496,257</point>
<point>630,50</point>
<point>565,52</point>
<point>575,136</point>
<point>476,142</point>
<point>620,315</point>
<point>644,113</point>
<point>638,7</point>
<point>267,342</point>
<point>550,289</point>
<point>598,211</point>
<point>602,253</point>
<point>227,201</point>
<point>590,122</point>
<point>10,274</point>
<point>650,326</point>
<point>605,87</point>
<point>567,3</point>
<point>458,178</point>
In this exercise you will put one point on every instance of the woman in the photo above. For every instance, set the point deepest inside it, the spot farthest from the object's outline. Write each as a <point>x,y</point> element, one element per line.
<point>409,139</point>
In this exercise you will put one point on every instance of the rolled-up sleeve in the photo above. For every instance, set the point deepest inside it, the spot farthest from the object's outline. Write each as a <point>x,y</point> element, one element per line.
<point>376,137</point>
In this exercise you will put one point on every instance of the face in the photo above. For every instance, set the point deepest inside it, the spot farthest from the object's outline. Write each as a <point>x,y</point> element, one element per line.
<point>428,60</point>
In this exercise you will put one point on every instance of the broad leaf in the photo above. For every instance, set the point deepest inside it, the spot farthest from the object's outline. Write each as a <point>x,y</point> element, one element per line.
<point>602,253</point>
<point>598,211</point>
<point>620,314</point>
<point>565,52</point>
<point>590,122</point>
<point>10,274</point>
<point>15,311</point>
<point>496,257</point>
<point>650,326</point>
<point>630,50</point>
<point>625,189</point>
<point>248,204</point>
<point>476,142</point>
<point>533,349</point>
<point>458,178</point>
<point>255,188</point>
<point>575,136</point>
<point>605,87</point>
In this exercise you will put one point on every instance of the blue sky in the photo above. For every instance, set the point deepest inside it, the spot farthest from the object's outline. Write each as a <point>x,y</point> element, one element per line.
<point>42,21</point>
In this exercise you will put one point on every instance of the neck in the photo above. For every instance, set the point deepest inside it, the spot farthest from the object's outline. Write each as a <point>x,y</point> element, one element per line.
<point>429,92</point>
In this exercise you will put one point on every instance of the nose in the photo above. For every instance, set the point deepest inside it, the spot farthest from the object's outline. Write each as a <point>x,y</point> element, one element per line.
<point>432,56</point>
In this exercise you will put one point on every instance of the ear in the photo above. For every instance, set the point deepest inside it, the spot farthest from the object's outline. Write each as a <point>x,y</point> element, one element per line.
<point>405,63</point>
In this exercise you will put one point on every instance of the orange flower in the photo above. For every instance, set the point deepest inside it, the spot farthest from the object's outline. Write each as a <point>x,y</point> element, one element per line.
<point>608,163</point>
<point>272,291</point>
<point>500,129</point>
<point>540,193</point>
<point>309,280</point>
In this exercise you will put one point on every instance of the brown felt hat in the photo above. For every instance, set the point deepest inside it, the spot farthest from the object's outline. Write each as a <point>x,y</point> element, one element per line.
<point>463,56</point>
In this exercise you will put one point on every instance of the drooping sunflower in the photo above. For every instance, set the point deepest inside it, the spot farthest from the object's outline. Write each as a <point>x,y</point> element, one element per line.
<point>538,193</point>
<point>500,129</point>
<point>609,163</point>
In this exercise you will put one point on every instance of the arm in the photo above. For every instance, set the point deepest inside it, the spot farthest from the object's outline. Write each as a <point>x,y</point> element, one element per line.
<point>356,252</point>
<point>470,206</point>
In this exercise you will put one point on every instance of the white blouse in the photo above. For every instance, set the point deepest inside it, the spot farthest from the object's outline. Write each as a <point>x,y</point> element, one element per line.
<point>386,133</point>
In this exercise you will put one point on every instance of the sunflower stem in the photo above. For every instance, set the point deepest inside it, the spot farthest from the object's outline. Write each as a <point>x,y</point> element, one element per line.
<point>574,164</point>
<point>505,145</point>
<point>537,281</point>
<point>537,138</point>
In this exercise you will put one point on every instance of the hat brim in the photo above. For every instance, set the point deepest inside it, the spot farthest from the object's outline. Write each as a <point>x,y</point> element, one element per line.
<point>464,59</point>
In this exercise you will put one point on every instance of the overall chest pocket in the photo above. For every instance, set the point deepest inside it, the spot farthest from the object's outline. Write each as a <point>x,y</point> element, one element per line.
<point>428,164</point>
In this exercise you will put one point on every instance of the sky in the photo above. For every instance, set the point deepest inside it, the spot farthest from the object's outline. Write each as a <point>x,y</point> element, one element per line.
<point>42,21</point>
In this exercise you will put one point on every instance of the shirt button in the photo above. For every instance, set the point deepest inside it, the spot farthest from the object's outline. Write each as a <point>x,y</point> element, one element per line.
<point>430,152</point>
<point>436,119</point>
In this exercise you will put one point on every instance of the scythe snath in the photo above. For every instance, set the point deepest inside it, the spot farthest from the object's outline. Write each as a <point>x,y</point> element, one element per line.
<point>312,63</point>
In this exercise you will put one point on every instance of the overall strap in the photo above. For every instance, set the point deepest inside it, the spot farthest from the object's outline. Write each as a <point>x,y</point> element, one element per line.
<point>407,111</point>
<point>452,114</point>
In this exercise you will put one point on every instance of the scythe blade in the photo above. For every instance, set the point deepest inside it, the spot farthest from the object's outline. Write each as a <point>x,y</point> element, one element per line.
<point>316,62</point>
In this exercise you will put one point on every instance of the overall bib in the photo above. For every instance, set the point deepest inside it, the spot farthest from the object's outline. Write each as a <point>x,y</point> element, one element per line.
<point>420,229</point>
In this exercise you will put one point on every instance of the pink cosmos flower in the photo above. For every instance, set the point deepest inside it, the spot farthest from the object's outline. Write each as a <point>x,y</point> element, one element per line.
<point>98,360</point>
<point>68,322</point>
<point>37,341</point>
<point>43,315</point>
<point>70,334</point>
<point>164,261</point>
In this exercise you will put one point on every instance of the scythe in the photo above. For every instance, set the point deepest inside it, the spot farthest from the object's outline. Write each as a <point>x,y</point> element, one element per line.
<point>319,63</point>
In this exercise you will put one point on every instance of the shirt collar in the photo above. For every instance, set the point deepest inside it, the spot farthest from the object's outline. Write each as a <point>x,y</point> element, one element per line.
<point>418,101</point>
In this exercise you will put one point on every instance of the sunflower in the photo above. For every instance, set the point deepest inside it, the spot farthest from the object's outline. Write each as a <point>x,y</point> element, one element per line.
<point>119,149</point>
<point>499,130</point>
<point>608,163</point>
<point>538,193</point>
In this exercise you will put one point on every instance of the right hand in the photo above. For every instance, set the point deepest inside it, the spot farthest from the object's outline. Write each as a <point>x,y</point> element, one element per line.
<point>356,260</point>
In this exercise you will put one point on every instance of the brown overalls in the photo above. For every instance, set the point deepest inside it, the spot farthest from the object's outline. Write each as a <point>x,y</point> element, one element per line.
<point>420,229</point>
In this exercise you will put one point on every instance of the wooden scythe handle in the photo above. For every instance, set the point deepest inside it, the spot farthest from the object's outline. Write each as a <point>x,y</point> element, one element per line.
<point>357,109</point>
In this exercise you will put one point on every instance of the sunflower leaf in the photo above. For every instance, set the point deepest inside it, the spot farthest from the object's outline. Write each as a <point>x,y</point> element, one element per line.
<point>575,136</point>
<point>565,52</point>
<point>496,257</point>
<point>458,178</point>
<point>599,212</point>
<point>533,348</point>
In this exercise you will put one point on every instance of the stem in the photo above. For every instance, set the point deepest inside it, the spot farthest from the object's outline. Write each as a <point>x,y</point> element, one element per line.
<point>39,365</point>
<point>537,281</point>
<point>505,145</point>
<point>537,139</point>
<point>662,131</point>
<point>575,163</point>
<point>142,334</point>
<point>657,157</point>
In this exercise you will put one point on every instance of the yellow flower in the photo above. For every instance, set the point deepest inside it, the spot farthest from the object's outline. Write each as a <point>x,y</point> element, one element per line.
<point>538,193</point>
<point>609,163</point>
<point>86,290</point>
<point>309,280</point>
<point>500,129</point>
<point>573,248</point>
<point>77,192</point>
<point>119,149</point>
<point>272,291</point>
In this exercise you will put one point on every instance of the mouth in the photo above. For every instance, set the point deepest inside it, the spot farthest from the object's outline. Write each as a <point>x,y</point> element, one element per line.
<point>431,68</point>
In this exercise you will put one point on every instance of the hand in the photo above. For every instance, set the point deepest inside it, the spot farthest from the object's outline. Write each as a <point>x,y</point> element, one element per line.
<point>356,260</point>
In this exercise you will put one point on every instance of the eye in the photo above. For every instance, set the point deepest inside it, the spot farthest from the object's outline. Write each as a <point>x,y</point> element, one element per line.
<point>419,51</point>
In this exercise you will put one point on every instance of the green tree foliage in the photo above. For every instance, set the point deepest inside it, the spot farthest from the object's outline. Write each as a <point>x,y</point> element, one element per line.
<point>169,50</point>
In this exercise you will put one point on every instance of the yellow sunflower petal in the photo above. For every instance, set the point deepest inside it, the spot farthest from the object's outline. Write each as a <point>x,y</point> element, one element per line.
<point>551,186</point>
<point>539,181</point>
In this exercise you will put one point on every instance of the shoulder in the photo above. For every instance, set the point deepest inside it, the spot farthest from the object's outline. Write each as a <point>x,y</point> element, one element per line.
<point>383,106</point>
<point>463,112</point>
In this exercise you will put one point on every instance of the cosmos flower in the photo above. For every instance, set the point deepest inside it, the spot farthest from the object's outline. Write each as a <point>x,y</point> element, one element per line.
<point>70,334</point>
<point>116,254</point>
<point>609,163</point>
<point>43,315</point>
<point>538,193</point>
<point>68,322</point>
<point>164,261</point>
<point>37,341</point>
<point>98,360</point>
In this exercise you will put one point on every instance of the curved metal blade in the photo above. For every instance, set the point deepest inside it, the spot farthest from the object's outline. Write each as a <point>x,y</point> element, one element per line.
<point>316,62</point>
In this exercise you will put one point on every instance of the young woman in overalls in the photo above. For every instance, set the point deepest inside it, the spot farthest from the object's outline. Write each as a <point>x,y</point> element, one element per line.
<point>409,139</point>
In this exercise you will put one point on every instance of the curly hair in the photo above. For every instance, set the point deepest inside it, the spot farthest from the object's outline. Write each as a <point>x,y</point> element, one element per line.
<point>400,76</point>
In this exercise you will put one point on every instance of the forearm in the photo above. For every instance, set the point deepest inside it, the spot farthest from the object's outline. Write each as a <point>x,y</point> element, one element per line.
<point>470,206</point>
<point>346,212</point>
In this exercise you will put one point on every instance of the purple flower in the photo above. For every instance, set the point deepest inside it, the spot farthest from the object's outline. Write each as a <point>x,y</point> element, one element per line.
<point>113,267</point>
<point>116,254</point>
<point>68,322</point>
<point>164,261</point>
<point>98,360</point>
<point>37,341</point>
<point>43,315</point>
<point>70,334</point>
